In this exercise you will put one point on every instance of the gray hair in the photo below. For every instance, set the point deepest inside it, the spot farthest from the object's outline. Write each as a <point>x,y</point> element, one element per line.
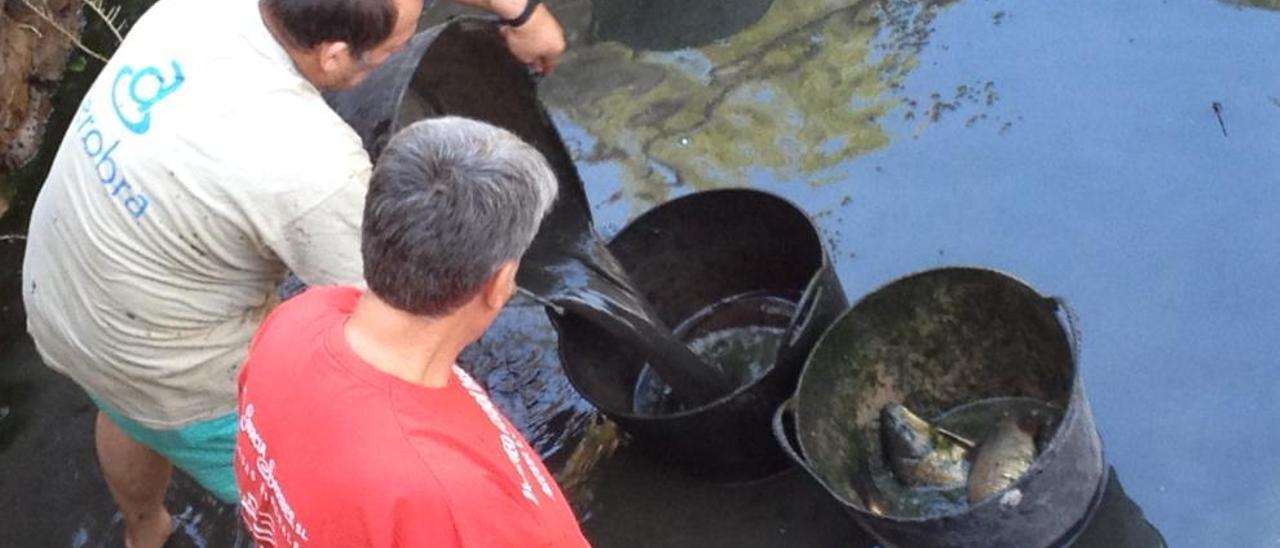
<point>450,201</point>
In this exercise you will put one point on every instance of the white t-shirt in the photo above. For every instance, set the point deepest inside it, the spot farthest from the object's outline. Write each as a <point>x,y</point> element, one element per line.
<point>200,166</point>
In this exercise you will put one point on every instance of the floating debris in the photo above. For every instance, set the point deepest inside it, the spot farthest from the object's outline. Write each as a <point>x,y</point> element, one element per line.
<point>1217,111</point>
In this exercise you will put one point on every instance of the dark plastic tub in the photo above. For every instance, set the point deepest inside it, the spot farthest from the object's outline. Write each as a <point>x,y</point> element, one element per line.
<point>684,256</point>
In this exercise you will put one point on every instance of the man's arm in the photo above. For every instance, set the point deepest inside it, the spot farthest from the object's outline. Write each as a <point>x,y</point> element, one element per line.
<point>313,226</point>
<point>539,42</point>
<point>321,246</point>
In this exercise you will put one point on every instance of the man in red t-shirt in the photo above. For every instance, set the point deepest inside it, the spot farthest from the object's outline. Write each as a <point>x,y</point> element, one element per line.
<point>356,426</point>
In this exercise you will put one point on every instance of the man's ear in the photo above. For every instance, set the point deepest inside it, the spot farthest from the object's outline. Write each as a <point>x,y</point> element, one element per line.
<point>502,285</point>
<point>332,56</point>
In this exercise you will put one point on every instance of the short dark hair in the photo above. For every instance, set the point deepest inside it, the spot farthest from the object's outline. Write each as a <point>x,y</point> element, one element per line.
<point>362,24</point>
<point>450,201</point>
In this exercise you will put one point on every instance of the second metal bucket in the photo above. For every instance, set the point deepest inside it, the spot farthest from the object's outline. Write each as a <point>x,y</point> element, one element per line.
<point>684,256</point>
<point>934,342</point>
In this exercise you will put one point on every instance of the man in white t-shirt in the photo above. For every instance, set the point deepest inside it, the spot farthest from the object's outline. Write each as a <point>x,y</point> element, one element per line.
<point>201,166</point>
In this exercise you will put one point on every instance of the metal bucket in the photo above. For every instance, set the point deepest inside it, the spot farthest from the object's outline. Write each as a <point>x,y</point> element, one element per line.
<point>684,256</point>
<point>935,341</point>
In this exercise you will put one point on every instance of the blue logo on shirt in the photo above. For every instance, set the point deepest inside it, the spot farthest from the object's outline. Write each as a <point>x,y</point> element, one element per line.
<point>101,149</point>
<point>133,94</point>
<point>142,89</point>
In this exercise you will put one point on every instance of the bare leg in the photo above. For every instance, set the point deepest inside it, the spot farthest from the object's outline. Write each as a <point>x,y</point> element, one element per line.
<point>138,478</point>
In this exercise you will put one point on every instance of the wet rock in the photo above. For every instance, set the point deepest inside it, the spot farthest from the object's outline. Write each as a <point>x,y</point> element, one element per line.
<point>33,57</point>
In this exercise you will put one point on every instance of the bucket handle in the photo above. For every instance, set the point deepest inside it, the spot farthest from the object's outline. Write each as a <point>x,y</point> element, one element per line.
<point>1072,324</point>
<point>780,434</point>
<point>805,316</point>
<point>864,488</point>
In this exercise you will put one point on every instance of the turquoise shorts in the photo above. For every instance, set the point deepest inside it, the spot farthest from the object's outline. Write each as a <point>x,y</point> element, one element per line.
<point>204,450</point>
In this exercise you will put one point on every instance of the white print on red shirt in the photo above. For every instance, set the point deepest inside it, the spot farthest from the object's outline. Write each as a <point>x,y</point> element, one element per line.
<point>510,447</point>
<point>266,506</point>
<point>262,510</point>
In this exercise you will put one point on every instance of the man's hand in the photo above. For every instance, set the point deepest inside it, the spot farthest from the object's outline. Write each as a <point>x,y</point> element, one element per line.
<point>539,42</point>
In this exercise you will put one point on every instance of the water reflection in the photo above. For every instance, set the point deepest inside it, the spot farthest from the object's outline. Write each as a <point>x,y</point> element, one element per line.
<point>803,89</point>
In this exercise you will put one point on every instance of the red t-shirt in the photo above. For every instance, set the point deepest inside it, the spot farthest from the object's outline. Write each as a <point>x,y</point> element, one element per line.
<point>333,452</point>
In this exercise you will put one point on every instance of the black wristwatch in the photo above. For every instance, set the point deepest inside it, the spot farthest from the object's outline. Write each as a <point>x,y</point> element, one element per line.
<point>524,15</point>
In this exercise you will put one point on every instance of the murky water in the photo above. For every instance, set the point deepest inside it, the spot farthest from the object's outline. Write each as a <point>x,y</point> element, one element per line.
<point>691,379</point>
<point>740,335</point>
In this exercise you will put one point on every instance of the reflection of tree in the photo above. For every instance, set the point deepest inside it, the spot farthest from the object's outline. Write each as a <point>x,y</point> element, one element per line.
<point>800,91</point>
<point>1264,4</point>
